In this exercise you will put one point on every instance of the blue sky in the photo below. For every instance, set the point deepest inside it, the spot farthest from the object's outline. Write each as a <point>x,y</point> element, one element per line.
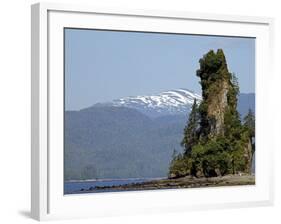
<point>105,65</point>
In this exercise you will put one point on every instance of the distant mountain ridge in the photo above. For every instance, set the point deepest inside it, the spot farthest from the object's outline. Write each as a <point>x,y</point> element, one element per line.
<point>172,102</point>
<point>169,102</point>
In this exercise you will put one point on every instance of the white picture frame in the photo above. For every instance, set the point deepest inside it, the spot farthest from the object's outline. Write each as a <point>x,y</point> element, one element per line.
<point>48,201</point>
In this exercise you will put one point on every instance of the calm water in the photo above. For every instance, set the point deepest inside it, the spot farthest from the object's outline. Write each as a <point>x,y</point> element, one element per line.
<point>75,187</point>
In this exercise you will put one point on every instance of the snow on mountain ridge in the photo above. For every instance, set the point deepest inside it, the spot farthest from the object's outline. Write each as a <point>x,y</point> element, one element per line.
<point>168,102</point>
<point>164,99</point>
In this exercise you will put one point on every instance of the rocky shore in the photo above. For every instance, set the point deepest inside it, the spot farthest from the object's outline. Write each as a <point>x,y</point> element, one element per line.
<point>183,182</point>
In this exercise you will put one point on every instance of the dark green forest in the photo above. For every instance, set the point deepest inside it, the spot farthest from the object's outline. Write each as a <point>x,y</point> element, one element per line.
<point>216,140</point>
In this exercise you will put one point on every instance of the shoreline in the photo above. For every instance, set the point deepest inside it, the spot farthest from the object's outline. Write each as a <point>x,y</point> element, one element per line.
<point>114,179</point>
<point>177,183</point>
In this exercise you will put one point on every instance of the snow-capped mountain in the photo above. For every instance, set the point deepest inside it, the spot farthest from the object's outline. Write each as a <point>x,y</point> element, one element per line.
<point>166,103</point>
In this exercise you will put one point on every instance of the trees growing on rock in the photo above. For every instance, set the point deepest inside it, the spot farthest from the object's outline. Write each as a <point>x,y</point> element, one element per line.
<point>215,140</point>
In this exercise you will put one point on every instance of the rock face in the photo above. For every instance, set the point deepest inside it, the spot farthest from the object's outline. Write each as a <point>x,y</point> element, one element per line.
<point>217,87</point>
<point>216,109</point>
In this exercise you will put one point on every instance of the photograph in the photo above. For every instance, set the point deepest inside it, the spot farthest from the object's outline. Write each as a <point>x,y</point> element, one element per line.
<point>157,111</point>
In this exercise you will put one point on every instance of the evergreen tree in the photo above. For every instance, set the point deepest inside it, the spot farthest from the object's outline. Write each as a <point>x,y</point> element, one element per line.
<point>180,165</point>
<point>249,123</point>
<point>191,130</point>
<point>235,83</point>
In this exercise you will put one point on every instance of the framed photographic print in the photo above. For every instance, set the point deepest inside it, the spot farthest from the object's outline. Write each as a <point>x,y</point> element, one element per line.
<point>148,111</point>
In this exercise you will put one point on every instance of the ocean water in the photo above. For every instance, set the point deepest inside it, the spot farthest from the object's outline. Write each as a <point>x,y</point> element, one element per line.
<point>75,187</point>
